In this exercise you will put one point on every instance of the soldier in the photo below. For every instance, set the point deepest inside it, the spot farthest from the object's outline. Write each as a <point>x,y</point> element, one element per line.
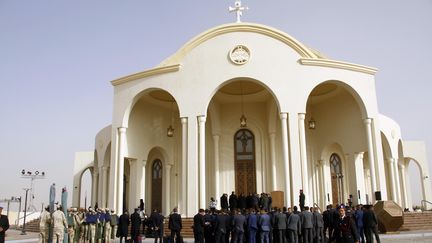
<point>107,231</point>
<point>60,224</point>
<point>100,225</point>
<point>114,224</point>
<point>44,223</point>
<point>91,220</point>
<point>71,224</point>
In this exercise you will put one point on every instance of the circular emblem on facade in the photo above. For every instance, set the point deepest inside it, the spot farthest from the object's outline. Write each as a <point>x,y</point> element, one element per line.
<point>239,55</point>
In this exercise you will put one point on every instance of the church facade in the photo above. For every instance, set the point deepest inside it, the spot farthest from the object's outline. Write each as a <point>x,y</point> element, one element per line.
<point>247,108</point>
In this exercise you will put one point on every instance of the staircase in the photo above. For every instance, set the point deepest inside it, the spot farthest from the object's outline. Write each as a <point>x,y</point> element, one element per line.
<point>32,226</point>
<point>417,221</point>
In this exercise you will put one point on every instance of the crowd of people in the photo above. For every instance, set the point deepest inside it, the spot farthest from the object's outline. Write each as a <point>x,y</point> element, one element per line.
<point>252,219</point>
<point>239,219</point>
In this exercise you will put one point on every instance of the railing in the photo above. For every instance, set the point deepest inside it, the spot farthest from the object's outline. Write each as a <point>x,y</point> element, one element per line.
<point>424,205</point>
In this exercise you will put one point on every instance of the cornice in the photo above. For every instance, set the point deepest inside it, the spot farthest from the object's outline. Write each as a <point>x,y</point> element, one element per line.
<point>337,64</point>
<point>301,49</point>
<point>147,73</point>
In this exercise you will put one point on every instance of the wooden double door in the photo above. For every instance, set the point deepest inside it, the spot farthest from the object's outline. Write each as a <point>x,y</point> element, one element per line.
<point>244,162</point>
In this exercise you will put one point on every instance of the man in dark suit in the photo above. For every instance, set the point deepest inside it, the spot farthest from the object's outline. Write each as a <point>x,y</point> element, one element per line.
<point>345,230</point>
<point>302,198</point>
<point>281,225</point>
<point>293,226</point>
<point>318,223</point>
<point>307,225</point>
<point>198,226</point>
<point>239,222</point>
<point>220,227</point>
<point>370,224</point>
<point>252,223</point>
<point>4,225</point>
<point>264,223</point>
<point>224,201</point>
<point>233,201</point>
<point>135,225</point>
<point>156,220</point>
<point>175,225</point>
<point>123,226</point>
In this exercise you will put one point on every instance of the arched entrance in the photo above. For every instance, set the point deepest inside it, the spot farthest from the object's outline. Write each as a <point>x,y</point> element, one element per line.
<point>337,178</point>
<point>156,188</point>
<point>245,173</point>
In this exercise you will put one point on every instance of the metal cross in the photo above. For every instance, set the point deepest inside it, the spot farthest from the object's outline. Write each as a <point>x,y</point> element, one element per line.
<point>238,8</point>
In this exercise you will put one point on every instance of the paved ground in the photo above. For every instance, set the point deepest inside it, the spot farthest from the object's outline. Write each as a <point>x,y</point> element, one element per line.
<point>14,236</point>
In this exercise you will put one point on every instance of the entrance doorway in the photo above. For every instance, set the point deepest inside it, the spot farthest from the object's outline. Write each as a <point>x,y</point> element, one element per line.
<point>156,201</point>
<point>245,173</point>
<point>337,176</point>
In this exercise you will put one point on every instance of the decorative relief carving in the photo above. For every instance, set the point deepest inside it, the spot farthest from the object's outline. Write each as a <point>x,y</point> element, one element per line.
<point>239,55</point>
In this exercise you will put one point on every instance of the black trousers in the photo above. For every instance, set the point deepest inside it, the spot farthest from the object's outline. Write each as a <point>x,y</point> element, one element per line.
<point>175,233</point>
<point>199,237</point>
<point>368,233</point>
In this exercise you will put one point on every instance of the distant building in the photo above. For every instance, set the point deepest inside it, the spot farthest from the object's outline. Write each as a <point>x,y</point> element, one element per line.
<point>247,108</point>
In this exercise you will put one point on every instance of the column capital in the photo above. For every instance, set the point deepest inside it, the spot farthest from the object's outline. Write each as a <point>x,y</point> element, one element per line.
<point>390,160</point>
<point>105,168</point>
<point>202,119</point>
<point>183,120</point>
<point>144,162</point>
<point>320,162</point>
<point>121,129</point>
<point>367,121</point>
<point>401,166</point>
<point>359,154</point>
<point>302,116</point>
<point>168,167</point>
<point>283,115</point>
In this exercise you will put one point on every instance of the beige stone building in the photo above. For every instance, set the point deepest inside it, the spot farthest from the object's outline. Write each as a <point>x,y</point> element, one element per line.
<point>245,107</point>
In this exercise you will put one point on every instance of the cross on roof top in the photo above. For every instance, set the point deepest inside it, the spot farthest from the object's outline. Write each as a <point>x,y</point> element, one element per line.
<point>238,8</point>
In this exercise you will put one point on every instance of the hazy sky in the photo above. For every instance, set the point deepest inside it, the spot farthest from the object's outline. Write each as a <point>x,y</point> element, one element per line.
<point>57,58</point>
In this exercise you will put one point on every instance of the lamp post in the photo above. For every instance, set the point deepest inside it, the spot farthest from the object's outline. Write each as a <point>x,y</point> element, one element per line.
<point>32,176</point>
<point>25,211</point>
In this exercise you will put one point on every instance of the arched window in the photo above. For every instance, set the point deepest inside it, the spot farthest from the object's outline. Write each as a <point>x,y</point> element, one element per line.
<point>337,178</point>
<point>157,185</point>
<point>244,153</point>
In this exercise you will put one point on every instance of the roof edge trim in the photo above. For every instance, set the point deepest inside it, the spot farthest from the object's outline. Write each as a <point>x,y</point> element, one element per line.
<point>301,49</point>
<point>338,64</point>
<point>147,73</point>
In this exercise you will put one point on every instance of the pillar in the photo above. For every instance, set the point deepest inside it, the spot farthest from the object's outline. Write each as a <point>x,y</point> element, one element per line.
<point>404,184</point>
<point>143,180</point>
<point>273,160</point>
<point>192,168</point>
<point>390,162</point>
<point>303,156</point>
<point>184,122</point>
<point>371,156</point>
<point>284,125</point>
<point>216,165</point>
<point>201,154</point>
<point>120,167</point>
<point>397,180</point>
<point>94,191</point>
<point>167,188</point>
<point>104,185</point>
<point>360,194</point>
<point>100,185</point>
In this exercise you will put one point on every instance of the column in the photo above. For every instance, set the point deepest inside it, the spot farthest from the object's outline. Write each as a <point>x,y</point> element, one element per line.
<point>167,189</point>
<point>371,157</point>
<point>104,185</point>
<point>404,184</point>
<point>94,190</point>
<point>192,179</point>
<point>360,194</point>
<point>284,117</point>
<point>100,186</point>
<point>323,184</point>
<point>120,168</point>
<point>183,205</point>
<point>398,187</point>
<point>303,156</point>
<point>201,154</point>
<point>390,162</point>
<point>273,160</point>
<point>216,164</point>
<point>143,181</point>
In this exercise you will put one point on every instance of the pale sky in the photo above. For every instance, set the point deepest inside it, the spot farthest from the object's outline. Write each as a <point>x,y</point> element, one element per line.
<point>58,57</point>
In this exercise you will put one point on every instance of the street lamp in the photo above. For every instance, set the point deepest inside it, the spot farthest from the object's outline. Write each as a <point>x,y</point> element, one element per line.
<point>32,176</point>
<point>25,211</point>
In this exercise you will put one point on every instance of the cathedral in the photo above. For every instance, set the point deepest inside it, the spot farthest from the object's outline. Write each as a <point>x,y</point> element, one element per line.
<point>247,108</point>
